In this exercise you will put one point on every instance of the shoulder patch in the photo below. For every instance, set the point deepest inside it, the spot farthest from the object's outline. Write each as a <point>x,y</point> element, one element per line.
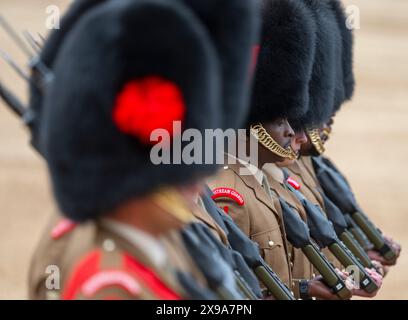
<point>150,279</point>
<point>228,193</point>
<point>106,278</point>
<point>63,227</point>
<point>88,279</point>
<point>293,183</point>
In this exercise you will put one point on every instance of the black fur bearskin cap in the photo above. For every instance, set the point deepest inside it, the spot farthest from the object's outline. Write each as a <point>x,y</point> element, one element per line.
<point>347,56</point>
<point>234,27</point>
<point>113,54</point>
<point>285,61</point>
<point>326,87</point>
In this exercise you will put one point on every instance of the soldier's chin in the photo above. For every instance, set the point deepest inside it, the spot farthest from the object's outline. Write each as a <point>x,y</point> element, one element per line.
<point>286,162</point>
<point>308,150</point>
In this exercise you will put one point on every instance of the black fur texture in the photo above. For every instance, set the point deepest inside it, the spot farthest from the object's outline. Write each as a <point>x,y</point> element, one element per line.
<point>347,57</point>
<point>234,27</point>
<point>285,61</point>
<point>93,166</point>
<point>326,87</point>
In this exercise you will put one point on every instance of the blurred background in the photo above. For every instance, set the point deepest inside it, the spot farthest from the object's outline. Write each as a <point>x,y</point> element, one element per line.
<point>369,142</point>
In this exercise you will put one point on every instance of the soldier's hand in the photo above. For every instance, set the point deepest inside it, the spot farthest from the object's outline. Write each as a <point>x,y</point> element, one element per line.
<point>320,291</point>
<point>378,281</point>
<point>394,245</point>
<point>382,270</point>
<point>375,255</point>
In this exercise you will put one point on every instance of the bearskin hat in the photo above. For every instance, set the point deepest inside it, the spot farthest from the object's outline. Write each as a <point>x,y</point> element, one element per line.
<point>125,68</point>
<point>285,61</point>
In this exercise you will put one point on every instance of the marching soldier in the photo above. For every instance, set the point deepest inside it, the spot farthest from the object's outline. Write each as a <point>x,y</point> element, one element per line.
<point>98,149</point>
<point>247,198</point>
<point>318,136</point>
<point>235,65</point>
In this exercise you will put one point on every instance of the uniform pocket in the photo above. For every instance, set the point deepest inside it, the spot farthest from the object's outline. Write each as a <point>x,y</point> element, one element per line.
<point>273,251</point>
<point>269,240</point>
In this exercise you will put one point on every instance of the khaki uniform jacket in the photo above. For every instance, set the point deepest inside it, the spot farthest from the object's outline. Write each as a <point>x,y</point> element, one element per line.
<point>202,216</point>
<point>259,217</point>
<point>300,265</point>
<point>303,172</point>
<point>95,263</point>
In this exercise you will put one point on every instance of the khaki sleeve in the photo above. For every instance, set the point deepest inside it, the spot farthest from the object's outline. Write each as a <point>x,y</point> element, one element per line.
<point>238,213</point>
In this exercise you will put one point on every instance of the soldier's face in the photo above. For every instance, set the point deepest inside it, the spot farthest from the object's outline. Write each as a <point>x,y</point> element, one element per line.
<point>307,149</point>
<point>326,127</point>
<point>281,131</point>
<point>298,140</point>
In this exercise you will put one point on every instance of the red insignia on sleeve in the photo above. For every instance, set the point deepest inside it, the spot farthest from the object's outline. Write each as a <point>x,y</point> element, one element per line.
<point>150,279</point>
<point>228,193</point>
<point>106,278</point>
<point>293,183</point>
<point>88,279</point>
<point>64,226</point>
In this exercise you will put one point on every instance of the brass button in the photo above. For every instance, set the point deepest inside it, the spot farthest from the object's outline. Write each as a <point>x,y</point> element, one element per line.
<point>271,243</point>
<point>109,245</point>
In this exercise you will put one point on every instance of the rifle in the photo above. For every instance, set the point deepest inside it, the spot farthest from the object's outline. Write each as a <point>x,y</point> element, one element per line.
<point>322,231</point>
<point>341,227</point>
<point>41,77</point>
<point>358,234</point>
<point>221,279</point>
<point>338,190</point>
<point>12,101</point>
<point>195,292</point>
<point>298,234</point>
<point>248,249</point>
<point>203,232</point>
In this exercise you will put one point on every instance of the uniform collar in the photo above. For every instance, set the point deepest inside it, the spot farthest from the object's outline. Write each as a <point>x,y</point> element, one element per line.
<point>258,174</point>
<point>256,185</point>
<point>274,171</point>
<point>150,246</point>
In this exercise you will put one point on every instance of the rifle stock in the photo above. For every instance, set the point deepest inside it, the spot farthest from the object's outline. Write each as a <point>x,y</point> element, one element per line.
<point>206,257</point>
<point>331,278</point>
<point>271,281</point>
<point>374,235</point>
<point>323,232</point>
<point>356,249</point>
<point>358,234</point>
<point>249,251</point>
<point>340,193</point>
<point>347,259</point>
<point>298,235</point>
<point>340,227</point>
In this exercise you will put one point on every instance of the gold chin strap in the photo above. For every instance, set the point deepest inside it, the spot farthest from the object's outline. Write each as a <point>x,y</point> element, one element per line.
<point>317,142</point>
<point>326,133</point>
<point>170,200</point>
<point>264,138</point>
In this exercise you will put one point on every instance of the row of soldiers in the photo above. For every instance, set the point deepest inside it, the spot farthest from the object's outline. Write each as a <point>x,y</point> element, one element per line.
<point>287,227</point>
